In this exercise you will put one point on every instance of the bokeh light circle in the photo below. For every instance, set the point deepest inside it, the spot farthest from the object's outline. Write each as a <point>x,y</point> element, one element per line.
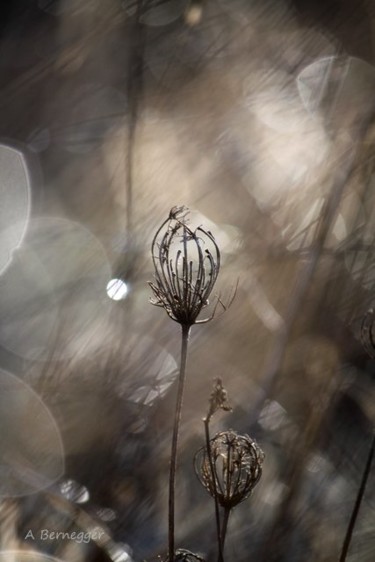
<point>117,289</point>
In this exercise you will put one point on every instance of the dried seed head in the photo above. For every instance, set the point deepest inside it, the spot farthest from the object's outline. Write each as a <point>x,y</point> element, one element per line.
<point>237,467</point>
<point>187,263</point>
<point>218,399</point>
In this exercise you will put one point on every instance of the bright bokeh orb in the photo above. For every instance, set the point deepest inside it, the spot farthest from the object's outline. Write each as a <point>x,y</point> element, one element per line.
<point>117,289</point>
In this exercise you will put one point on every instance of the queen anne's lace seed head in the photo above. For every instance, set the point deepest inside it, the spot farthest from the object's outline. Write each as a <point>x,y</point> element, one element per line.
<point>187,263</point>
<point>237,467</point>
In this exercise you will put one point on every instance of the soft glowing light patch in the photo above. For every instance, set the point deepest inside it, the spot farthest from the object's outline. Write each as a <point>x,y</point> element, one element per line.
<point>119,553</point>
<point>117,289</point>
<point>31,449</point>
<point>61,266</point>
<point>74,492</point>
<point>337,86</point>
<point>15,195</point>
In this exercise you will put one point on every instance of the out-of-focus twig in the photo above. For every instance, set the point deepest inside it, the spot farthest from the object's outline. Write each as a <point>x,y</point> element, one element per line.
<point>346,164</point>
<point>357,505</point>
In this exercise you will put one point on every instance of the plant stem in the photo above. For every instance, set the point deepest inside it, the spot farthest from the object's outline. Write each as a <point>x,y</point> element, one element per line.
<point>225,526</point>
<point>206,422</point>
<point>177,418</point>
<point>357,505</point>
<point>134,93</point>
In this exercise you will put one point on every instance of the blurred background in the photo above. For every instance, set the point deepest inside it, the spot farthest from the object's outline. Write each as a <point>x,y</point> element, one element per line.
<point>259,116</point>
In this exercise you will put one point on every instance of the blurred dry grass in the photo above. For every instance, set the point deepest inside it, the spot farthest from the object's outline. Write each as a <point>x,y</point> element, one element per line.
<point>222,127</point>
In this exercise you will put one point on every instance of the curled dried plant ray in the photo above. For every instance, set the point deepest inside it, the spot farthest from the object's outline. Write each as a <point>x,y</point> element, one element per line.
<point>224,306</point>
<point>367,337</point>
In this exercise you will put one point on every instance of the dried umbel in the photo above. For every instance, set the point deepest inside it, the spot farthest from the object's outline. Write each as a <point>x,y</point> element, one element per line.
<point>237,467</point>
<point>187,263</point>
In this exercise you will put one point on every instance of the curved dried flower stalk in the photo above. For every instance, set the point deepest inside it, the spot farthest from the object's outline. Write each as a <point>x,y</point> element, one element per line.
<point>218,401</point>
<point>187,264</point>
<point>237,461</point>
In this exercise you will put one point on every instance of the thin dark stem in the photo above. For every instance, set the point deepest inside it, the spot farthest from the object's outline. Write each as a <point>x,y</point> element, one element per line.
<point>225,526</point>
<point>134,92</point>
<point>217,512</point>
<point>357,505</point>
<point>176,427</point>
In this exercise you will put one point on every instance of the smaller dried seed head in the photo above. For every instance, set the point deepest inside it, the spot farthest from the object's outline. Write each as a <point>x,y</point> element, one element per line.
<point>237,467</point>
<point>218,399</point>
<point>186,263</point>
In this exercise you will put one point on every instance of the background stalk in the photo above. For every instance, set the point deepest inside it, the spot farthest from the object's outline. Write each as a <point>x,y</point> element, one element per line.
<point>357,505</point>
<point>176,426</point>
